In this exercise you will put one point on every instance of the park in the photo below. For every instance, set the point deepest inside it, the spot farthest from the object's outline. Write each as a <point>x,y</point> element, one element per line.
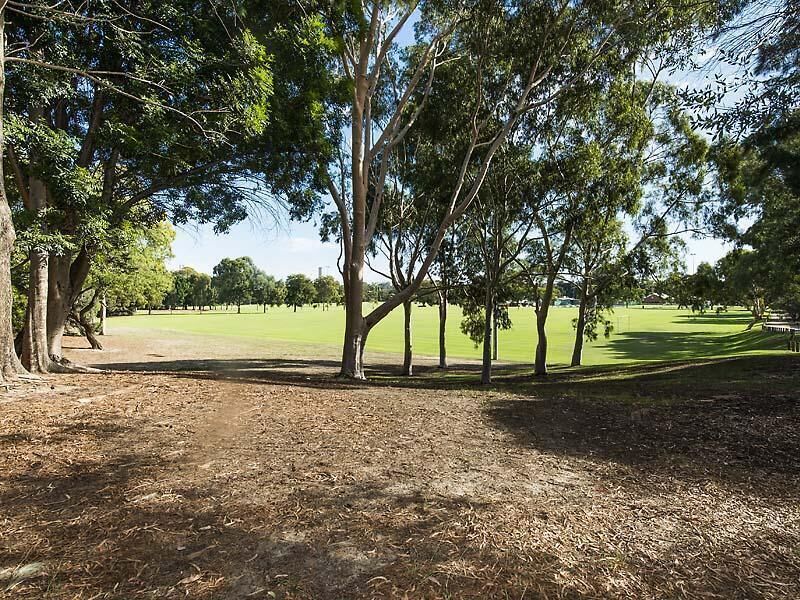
<point>315,299</point>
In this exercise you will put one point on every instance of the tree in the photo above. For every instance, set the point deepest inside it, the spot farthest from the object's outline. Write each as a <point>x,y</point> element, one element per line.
<point>407,223</point>
<point>267,290</point>
<point>300,291</point>
<point>499,226</point>
<point>328,290</point>
<point>276,293</point>
<point>745,281</point>
<point>132,274</point>
<point>446,275</point>
<point>758,209</point>
<point>261,284</point>
<point>757,158</point>
<point>109,125</point>
<point>515,60</point>
<point>201,292</point>
<point>233,281</point>
<point>626,150</point>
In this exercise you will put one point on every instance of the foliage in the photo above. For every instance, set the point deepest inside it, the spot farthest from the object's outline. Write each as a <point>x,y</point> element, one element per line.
<point>133,273</point>
<point>233,280</point>
<point>267,290</point>
<point>328,290</point>
<point>300,290</point>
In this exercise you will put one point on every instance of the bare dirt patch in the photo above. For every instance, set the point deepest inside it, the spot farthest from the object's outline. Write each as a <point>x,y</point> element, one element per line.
<point>244,478</point>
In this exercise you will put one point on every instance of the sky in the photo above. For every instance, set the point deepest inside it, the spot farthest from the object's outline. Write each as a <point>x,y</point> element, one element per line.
<point>287,248</point>
<point>280,248</point>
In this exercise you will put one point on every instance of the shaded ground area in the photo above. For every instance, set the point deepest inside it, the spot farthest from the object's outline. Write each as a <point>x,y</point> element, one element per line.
<point>243,478</point>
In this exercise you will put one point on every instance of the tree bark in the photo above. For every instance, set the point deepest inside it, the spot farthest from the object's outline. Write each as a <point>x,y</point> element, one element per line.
<point>86,324</point>
<point>540,364</point>
<point>443,329</point>
<point>103,310</point>
<point>495,349</point>
<point>66,278</point>
<point>488,307</point>
<point>10,366</point>
<point>408,367</point>
<point>355,329</point>
<point>580,328</point>
<point>35,356</point>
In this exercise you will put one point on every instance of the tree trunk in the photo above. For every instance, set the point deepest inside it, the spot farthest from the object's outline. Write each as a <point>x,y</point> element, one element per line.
<point>86,325</point>
<point>35,356</point>
<point>495,349</point>
<point>580,329</point>
<point>355,329</point>
<point>103,309</point>
<point>443,329</point>
<point>486,368</point>
<point>540,364</point>
<point>408,368</point>
<point>10,366</point>
<point>580,326</point>
<point>66,277</point>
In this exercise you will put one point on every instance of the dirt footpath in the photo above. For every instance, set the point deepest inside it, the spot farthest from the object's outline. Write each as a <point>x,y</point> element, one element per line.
<point>243,479</point>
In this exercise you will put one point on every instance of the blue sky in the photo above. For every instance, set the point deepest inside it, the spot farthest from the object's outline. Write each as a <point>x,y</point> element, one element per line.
<point>279,248</point>
<point>296,248</point>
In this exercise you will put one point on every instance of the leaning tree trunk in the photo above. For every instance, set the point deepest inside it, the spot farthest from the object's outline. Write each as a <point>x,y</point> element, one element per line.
<point>486,368</point>
<point>408,367</point>
<point>66,277</point>
<point>80,319</point>
<point>443,329</point>
<point>580,328</point>
<point>10,366</point>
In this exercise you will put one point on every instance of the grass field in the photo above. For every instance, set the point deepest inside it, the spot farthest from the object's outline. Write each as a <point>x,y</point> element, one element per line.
<point>640,334</point>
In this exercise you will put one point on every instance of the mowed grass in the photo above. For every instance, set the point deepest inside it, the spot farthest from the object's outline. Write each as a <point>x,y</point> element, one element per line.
<point>640,334</point>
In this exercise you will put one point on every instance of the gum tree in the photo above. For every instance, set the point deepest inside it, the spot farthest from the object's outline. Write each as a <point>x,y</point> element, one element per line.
<point>517,59</point>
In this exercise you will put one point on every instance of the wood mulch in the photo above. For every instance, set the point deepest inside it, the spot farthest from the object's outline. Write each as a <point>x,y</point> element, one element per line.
<point>236,481</point>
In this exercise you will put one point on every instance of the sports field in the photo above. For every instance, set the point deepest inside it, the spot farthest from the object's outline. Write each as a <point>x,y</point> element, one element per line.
<point>640,334</point>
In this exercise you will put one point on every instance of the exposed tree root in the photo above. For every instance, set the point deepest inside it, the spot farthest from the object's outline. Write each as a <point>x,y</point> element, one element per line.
<point>59,364</point>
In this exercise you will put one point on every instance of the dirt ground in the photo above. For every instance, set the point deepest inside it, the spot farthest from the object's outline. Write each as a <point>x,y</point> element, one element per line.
<point>237,477</point>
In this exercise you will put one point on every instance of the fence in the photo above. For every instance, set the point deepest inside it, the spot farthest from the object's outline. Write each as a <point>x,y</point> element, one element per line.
<point>791,328</point>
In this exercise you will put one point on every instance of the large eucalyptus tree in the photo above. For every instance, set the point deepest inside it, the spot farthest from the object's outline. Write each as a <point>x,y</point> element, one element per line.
<point>517,58</point>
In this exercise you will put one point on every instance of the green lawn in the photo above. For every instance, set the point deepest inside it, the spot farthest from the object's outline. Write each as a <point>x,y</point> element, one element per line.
<point>640,334</point>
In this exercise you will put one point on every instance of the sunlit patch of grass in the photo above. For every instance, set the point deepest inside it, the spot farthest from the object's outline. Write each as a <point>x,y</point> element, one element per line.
<point>640,334</point>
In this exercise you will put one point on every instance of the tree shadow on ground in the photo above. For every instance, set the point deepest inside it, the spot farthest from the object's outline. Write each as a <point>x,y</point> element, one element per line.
<point>127,521</point>
<point>735,421</point>
<point>133,523</point>
<point>674,345</point>
<point>515,378</point>
<point>308,372</point>
<point>723,318</point>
